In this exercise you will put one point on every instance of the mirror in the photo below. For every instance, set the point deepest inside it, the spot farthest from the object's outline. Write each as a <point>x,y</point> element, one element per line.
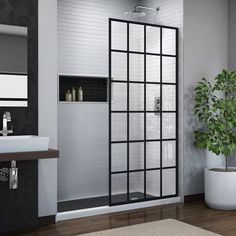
<point>13,66</point>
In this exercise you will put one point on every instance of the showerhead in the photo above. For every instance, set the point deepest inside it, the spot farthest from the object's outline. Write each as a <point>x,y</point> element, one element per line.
<point>138,13</point>
<point>135,13</point>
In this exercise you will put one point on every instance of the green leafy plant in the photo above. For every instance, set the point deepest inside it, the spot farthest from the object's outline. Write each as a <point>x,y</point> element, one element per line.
<point>215,108</point>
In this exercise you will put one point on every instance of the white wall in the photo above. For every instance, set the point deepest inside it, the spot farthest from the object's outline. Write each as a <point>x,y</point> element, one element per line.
<point>83,143</point>
<point>48,103</point>
<point>232,35</point>
<point>232,48</point>
<point>205,55</point>
<point>83,34</point>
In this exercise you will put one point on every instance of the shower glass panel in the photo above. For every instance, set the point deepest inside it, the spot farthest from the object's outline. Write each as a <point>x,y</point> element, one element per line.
<point>119,154</point>
<point>136,67</point>
<point>119,66</point>
<point>143,112</point>
<point>153,39</point>
<point>153,153</point>
<point>136,95</point>
<point>153,72</point>
<point>153,183</point>
<point>119,96</point>
<point>136,37</point>
<point>136,156</point>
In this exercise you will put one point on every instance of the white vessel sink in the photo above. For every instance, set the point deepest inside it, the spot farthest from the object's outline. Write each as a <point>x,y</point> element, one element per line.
<point>24,143</point>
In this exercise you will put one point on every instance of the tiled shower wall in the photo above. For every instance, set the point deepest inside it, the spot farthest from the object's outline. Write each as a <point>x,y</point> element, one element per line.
<point>83,49</point>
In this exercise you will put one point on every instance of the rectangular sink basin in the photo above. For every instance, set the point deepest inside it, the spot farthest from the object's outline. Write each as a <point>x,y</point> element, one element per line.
<point>23,143</point>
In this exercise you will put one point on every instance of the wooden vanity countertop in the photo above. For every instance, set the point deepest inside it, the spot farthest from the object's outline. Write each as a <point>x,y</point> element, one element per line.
<point>24,156</point>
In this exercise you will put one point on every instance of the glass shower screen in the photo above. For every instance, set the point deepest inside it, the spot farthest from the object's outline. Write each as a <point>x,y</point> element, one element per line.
<point>143,71</point>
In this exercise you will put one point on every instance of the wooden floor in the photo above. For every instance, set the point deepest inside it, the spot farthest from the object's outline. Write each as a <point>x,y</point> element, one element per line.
<point>194,213</point>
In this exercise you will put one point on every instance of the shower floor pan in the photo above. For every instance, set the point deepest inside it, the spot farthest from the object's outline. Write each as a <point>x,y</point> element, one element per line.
<point>86,203</point>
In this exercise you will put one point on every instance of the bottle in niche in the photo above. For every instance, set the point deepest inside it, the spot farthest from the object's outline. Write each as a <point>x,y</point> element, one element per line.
<point>80,94</point>
<point>73,94</point>
<point>68,96</point>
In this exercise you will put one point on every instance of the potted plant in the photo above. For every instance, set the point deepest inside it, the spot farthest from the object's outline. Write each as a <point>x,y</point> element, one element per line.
<point>215,109</point>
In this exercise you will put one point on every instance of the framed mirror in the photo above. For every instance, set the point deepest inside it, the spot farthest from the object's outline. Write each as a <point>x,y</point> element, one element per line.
<point>13,66</point>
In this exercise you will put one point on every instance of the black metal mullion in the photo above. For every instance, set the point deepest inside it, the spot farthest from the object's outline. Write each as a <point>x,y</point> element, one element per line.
<point>146,200</point>
<point>140,82</point>
<point>142,170</point>
<point>161,59</point>
<point>117,111</point>
<point>142,53</point>
<point>177,113</point>
<point>145,114</point>
<point>143,23</point>
<point>110,140</point>
<point>127,112</point>
<point>141,141</point>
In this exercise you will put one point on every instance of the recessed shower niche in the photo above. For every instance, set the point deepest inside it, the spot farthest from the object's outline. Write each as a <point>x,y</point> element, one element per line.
<point>123,150</point>
<point>94,88</point>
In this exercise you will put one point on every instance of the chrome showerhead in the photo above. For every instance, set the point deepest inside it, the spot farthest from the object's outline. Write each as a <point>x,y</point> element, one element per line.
<point>138,13</point>
<point>135,13</point>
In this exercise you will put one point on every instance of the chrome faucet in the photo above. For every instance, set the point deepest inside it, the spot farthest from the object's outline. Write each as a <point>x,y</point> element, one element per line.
<point>11,173</point>
<point>5,120</point>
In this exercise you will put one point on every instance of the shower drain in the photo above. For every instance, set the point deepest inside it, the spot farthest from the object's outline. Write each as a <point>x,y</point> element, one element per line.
<point>133,198</point>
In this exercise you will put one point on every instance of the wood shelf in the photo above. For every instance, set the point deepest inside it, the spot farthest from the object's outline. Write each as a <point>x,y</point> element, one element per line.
<point>24,156</point>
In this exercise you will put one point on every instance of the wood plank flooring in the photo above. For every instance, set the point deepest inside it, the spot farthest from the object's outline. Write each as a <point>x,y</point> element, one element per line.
<point>194,213</point>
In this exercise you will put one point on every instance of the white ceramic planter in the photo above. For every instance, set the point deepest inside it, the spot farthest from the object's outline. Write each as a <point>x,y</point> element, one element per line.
<point>213,160</point>
<point>220,189</point>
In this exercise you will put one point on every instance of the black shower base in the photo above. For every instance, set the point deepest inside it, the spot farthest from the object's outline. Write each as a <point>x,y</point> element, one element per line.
<point>85,203</point>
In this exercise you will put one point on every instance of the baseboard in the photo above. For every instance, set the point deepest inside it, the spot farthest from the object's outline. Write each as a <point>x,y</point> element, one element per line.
<point>46,220</point>
<point>194,197</point>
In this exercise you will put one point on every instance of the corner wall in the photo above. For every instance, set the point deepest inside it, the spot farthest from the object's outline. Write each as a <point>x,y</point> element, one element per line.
<point>48,104</point>
<point>232,48</point>
<point>232,35</point>
<point>205,55</point>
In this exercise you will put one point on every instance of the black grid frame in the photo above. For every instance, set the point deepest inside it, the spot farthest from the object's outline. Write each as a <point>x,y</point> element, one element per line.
<point>161,83</point>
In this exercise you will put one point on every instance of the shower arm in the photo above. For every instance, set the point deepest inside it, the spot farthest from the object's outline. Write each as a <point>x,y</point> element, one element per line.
<point>147,8</point>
